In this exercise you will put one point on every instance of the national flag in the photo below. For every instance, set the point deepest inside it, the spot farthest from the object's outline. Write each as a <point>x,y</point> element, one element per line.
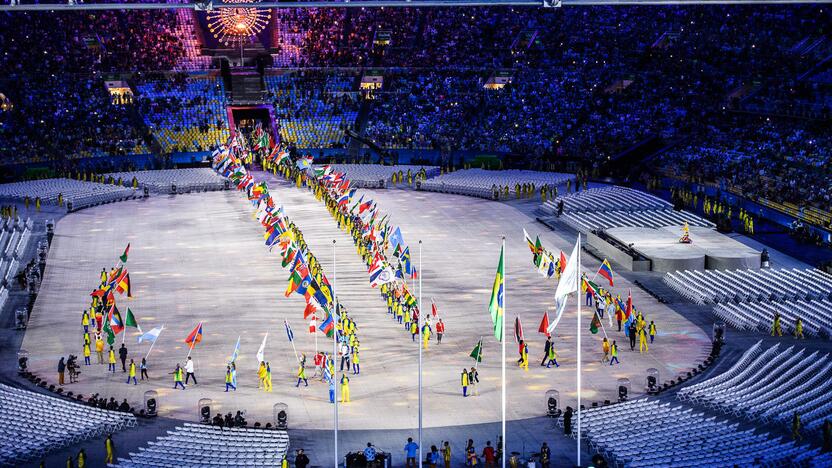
<point>518,330</point>
<point>150,336</point>
<point>111,337</point>
<point>130,321</point>
<point>396,238</point>
<point>236,352</point>
<point>562,261</point>
<point>313,324</point>
<point>544,323</point>
<point>591,287</point>
<point>262,350</point>
<point>124,284</point>
<point>529,242</point>
<point>114,276</point>
<point>382,276</point>
<point>629,310</point>
<point>606,271</point>
<point>568,284</point>
<point>433,309</point>
<point>538,252</point>
<point>289,333</point>
<point>305,162</point>
<point>309,310</point>
<point>114,317</point>
<point>123,256</point>
<point>476,353</point>
<point>195,336</point>
<point>328,326</point>
<point>495,306</point>
<point>595,324</point>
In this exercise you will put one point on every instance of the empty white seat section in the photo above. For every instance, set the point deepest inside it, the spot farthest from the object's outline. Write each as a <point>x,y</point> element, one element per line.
<point>198,445</point>
<point>369,175</point>
<point>749,299</point>
<point>481,182</point>
<point>34,424</point>
<point>80,194</point>
<point>185,180</point>
<point>648,433</point>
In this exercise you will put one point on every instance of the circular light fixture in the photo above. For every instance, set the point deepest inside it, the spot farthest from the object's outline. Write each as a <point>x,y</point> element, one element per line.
<point>234,26</point>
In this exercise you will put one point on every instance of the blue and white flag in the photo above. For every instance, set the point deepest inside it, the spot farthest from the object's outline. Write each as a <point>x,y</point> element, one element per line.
<point>152,335</point>
<point>396,238</point>
<point>236,351</point>
<point>289,331</point>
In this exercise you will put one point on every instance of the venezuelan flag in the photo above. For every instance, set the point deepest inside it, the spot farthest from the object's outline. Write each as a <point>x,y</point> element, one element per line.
<point>496,304</point>
<point>606,271</point>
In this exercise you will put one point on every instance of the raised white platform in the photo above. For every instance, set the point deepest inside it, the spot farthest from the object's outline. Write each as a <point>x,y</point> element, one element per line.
<point>709,250</point>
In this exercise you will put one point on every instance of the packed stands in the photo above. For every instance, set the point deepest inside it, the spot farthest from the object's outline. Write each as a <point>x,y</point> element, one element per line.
<point>184,180</point>
<point>647,433</point>
<point>185,113</point>
<point>482,183</point>
<point>78,194</point>
<point>370,174</point>
<point>34,424</point>
<point>198,445</point>
<point>770,385</point>
<point>313,108</point>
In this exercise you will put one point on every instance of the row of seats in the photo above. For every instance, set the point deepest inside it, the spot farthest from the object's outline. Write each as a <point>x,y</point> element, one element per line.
<point>612,198</point>
<point>765,285</point>
<point>185,180</point>
<point>14,237</point>
<point>199,445</point>
<point>770,385</point>
<point>647,433</point>
<point>373,173</point>
<point>587,221</point>
<point>80,194</point>
<point>32,425</point>
<point>481,182</point>
<point>816,316</point>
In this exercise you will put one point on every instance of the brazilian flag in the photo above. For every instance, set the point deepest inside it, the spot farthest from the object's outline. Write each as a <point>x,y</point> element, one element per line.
<point>497,291</point>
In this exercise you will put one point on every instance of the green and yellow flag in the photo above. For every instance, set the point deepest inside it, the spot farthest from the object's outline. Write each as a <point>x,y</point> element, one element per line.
<point>496,304</point>
<point>476,353</point>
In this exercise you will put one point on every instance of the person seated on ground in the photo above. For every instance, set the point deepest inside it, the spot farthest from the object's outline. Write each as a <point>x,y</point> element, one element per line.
<point>217,421</point>
<point>112,405</point>
<point>124,406</point>
<point>229,421</point>
<point>93,401</point>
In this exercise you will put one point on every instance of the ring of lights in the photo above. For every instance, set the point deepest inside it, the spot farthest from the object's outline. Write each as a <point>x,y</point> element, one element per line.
<point>232,26</point>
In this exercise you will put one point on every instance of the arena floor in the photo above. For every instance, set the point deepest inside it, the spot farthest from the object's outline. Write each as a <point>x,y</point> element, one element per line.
<point>200,257</point>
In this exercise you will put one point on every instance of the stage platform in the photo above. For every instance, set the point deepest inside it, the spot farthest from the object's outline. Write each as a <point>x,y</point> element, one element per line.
<point>200,257</point>
<point>709,250</point>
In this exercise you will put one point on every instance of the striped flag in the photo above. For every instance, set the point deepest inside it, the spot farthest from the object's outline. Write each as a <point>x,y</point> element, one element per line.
<point>289,333</point>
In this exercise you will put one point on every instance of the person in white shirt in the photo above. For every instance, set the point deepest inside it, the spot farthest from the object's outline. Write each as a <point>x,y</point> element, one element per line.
<point>189,371</point>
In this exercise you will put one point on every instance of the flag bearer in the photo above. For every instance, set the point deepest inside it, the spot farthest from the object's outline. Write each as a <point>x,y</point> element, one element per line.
<point>229,379</point>
<point>301,376</point>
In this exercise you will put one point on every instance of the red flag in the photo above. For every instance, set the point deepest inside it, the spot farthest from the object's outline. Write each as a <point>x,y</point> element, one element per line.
<point>629,304</point>
<point>195,336</point>
<point>309,310</point>
<point>562,261</point>
<point>544,324</point>
<point>433,308</point>
<point>518,330</point>
<point>313,324</point>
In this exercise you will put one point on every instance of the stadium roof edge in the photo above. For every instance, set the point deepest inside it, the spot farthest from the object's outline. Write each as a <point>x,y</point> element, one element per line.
<point>381,3</point>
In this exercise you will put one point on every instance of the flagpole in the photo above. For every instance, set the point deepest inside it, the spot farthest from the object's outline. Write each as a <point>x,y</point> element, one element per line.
<point>503,336</point>
<point>292,340</point>
<point>421,338</point>
<point>154,342</point>
<point>578,252</point>
<point>334,350</point>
